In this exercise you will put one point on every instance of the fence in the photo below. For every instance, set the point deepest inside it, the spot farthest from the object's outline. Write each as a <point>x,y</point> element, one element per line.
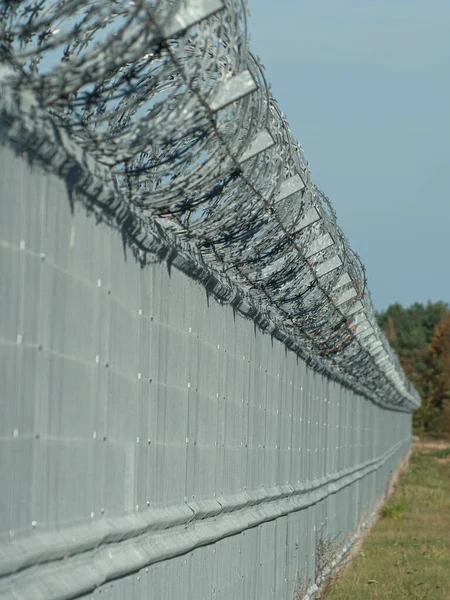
<point>196,394</point>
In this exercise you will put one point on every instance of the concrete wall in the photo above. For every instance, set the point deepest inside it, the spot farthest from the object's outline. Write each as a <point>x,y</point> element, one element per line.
<point>154,443</point>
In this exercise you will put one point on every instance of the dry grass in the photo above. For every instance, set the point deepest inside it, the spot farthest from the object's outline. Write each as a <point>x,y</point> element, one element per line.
<point>427,445</point>
<point>407,555</point>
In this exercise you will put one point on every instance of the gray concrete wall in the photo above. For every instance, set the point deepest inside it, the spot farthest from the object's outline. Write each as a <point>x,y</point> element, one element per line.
<point>154,443</point>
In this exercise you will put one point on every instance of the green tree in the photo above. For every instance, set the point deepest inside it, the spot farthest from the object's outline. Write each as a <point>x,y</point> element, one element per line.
<point>419,337</point>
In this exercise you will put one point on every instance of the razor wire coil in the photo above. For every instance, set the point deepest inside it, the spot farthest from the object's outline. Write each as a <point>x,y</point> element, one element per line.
<point>167,94</point>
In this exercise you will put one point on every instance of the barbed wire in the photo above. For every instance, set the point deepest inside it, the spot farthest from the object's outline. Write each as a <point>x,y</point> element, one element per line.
<point>167,94</point>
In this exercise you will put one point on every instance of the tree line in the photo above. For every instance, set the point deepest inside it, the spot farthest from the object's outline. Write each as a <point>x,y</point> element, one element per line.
<point>420,335</point>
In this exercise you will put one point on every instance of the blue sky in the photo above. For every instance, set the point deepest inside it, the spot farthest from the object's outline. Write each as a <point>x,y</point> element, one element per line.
<point>365,85</point>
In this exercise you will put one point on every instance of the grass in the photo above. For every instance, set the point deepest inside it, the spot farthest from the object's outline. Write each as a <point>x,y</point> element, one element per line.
<point>407,554</point>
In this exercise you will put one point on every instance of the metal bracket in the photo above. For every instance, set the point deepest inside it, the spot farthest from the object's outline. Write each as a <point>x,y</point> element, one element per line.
<point>311,216</point>
<point>355,308</point>
<point>231,89</point>
<point>319,244</point>
<point>346,296</point>
<point>343,280</point>
<point>289,187</point>
<point>261,142</point>
<point>328,265</point>
<point>189,14</point>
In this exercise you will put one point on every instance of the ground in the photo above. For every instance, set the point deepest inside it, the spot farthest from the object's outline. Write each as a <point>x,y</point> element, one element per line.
<point>407,554</point>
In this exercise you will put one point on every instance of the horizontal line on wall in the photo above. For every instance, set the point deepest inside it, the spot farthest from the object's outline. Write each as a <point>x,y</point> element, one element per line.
<point>78,560</point>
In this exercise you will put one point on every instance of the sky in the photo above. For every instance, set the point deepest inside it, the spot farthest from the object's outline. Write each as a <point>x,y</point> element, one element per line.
<point>365,85</point>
